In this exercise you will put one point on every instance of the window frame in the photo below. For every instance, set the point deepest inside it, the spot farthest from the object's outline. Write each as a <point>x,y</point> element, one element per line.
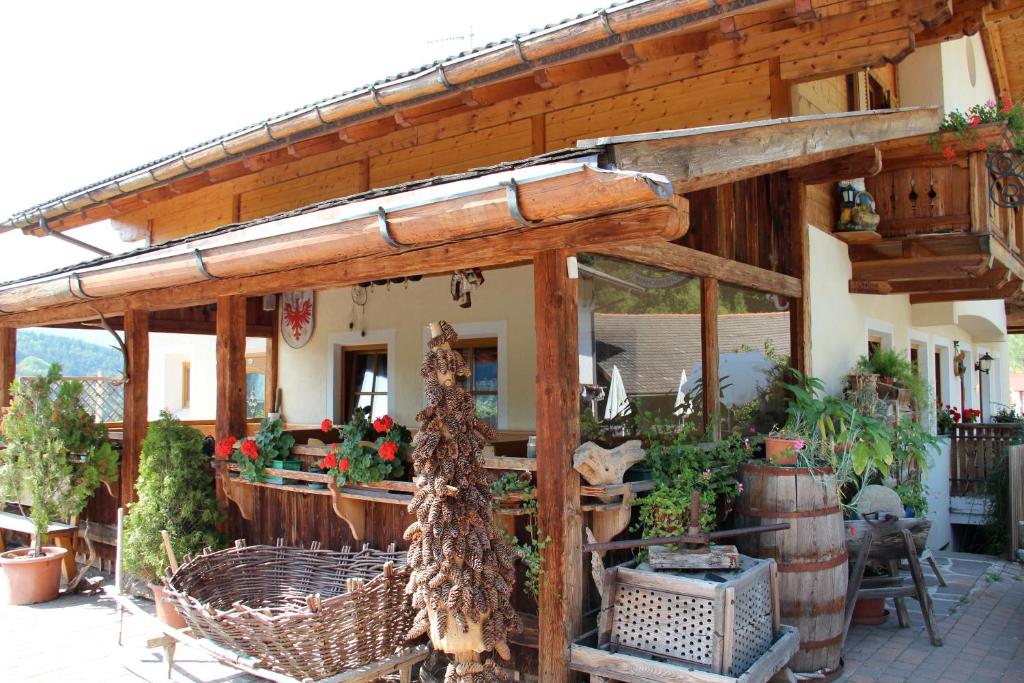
<point>472,344</point>
<point>349,398</point>
<point>186,385</point>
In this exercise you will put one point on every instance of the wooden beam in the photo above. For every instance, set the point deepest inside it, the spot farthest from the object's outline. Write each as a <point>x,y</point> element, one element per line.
<point>1005,292</point>
<point>780,92</point>
<point>710,380</point>
<point>705,157</point>
<point>231,405</point>
<point>860,165</point>
<point>8,364</point>
<point>921,268</point>
<point>800,263</point>
<point>682,259</point>
<point>558,484</point>
<point>519,246</point>
<point>978,191</point>
<point>870,287</point>
<point>997,277</point>
<point>136,393</point>
<point>992,41</point>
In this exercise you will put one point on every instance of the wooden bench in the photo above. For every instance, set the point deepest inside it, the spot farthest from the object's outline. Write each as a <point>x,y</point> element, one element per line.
<point>59,534</point>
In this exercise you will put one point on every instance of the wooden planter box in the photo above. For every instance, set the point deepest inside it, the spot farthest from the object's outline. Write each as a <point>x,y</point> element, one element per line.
<point>688,627</point>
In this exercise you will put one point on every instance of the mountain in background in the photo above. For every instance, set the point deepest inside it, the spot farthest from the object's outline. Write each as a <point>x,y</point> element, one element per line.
<point>77,358</point>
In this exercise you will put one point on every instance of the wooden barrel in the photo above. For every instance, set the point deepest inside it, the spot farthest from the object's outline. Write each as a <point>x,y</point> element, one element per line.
<point>811,554</point>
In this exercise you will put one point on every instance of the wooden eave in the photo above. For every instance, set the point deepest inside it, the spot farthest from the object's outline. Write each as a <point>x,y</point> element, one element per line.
<point>807,40</point>
<point>490,217</point>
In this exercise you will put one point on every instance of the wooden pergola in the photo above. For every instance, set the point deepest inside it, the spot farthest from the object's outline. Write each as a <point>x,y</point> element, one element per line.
<point>620,196</point>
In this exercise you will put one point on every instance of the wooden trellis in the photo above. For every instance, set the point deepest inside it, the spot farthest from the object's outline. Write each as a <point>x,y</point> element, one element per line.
<point>102,397</point>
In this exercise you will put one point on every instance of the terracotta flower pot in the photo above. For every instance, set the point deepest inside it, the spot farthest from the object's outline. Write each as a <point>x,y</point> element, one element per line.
<point>28,580</point>
<point>780,451</point>
<point>165,610</point>
<point>870,611</point>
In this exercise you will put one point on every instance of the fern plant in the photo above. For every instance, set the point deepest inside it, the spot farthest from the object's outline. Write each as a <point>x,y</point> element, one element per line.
<point>176,493</point>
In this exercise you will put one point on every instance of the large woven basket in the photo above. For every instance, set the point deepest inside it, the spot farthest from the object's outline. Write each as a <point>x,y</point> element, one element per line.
<point>307,613</point>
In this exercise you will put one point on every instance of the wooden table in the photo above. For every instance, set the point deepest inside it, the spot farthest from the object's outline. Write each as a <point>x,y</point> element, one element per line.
<point>60,535</point>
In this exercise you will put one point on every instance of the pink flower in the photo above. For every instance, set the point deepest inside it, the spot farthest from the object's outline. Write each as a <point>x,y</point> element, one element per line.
<point>799,444</point>
<point>707,475</point>
<point>741,487</point>
<point>746,444</point>
<point>990,104</point>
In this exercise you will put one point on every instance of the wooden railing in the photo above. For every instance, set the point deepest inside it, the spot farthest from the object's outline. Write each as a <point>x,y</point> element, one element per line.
<point>974,451</point>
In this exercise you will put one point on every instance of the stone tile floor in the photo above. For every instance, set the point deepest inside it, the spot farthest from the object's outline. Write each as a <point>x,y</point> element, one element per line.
<point>980,616</point>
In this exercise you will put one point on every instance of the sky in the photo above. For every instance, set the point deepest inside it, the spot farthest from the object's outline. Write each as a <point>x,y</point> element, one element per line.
<point>90,89</point>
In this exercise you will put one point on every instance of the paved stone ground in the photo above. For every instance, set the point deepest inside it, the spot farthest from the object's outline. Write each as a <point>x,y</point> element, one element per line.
<point>980,614</point>
<point>980,617</point>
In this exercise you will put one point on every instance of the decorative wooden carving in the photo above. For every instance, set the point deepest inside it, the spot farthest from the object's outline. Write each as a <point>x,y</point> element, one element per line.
<point>351,510</point>
<point>603,466</point>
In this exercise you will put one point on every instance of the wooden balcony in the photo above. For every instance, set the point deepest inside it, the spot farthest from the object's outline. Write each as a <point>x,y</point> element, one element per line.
<point>975,451</point>
<point>942,236</point>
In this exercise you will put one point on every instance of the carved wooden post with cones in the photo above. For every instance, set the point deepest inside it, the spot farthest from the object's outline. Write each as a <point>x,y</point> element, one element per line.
<point>462,568</point>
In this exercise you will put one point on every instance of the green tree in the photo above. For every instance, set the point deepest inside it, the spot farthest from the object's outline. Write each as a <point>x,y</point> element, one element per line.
<point>1016,342</point>
<point>176,494</point>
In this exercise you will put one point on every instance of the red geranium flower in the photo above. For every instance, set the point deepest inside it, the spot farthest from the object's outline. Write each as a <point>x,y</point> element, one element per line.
<point>343,464</point>
<point>250,449</point>
<point>1007,104</point>
<point>326,425</point>
<point>383,424</point>
<point>388,450</point>
<point>948,152</point>
<point>329,462</point>
<point>974,120</point>
<point>226,447</point>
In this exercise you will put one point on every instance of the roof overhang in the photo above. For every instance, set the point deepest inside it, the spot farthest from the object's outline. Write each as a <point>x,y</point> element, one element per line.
<point>615,191</point>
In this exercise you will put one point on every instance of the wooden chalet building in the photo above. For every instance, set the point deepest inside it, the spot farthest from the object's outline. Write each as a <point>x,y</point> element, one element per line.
<point>700,139</point>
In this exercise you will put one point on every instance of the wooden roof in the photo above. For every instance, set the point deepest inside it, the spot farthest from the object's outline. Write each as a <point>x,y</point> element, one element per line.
<point>804,39</point>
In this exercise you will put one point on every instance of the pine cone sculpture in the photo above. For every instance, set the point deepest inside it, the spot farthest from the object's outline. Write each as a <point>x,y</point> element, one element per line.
<point>462,568</point>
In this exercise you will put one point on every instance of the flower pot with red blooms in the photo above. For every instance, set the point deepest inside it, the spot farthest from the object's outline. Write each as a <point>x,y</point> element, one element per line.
<point>369,450</point>
<point>782,448</point>
<point>971,415</point>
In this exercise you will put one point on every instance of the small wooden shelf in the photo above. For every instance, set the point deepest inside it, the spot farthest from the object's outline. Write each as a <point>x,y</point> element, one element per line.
<point>858,236</point>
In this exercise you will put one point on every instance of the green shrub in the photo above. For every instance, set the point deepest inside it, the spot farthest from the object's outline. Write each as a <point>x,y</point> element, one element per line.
<point>176,493</point>
<point>56,455</point>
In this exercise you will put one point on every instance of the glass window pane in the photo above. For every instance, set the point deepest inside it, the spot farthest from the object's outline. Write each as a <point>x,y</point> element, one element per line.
<point>487,408</point>
<point>255,394</point>
<point>380,406</point>
<point>366,375</point>
<point>640,346</point>
<point>753,352</point>
<point>382,372</point>
<point>485,377</point>
<point>363,400</point>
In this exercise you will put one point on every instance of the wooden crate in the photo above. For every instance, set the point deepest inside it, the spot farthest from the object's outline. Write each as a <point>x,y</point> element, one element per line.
<point>723,623</point>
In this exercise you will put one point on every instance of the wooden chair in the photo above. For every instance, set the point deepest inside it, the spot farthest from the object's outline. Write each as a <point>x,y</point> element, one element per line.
<point>889,541</point>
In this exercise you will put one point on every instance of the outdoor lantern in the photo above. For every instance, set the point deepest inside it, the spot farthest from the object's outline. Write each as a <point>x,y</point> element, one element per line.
<point>984,363</point>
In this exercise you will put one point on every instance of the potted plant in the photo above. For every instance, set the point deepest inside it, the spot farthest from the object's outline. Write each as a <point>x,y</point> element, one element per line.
<point>782,445</point>
<point>369,451</point>
<point>945,417</point>
<point>55,457</point>
<point>177,495</point>
<point>275,447</point>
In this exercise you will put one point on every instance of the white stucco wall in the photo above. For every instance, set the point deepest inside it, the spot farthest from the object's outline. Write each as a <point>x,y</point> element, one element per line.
<point>944,75</point>
<point>399,317</point>
<point>841,323</point>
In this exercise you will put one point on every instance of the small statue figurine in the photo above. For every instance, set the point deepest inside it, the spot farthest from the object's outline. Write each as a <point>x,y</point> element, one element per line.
<point>856,207</point>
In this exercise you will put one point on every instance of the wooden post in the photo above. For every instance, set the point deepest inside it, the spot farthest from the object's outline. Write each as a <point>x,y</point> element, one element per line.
<point>8,363</point>
<point>230,366</point>
<point>136,392</point>
<point>710,391</point>
<point>558,484</point>
<point>800,260</point>
<point>272,350</point>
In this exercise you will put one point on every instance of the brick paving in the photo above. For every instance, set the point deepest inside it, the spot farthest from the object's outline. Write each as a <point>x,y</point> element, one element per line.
<point>980,616</point>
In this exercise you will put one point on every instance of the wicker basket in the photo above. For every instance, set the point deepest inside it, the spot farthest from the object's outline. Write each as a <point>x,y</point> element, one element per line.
<point>306,613</point>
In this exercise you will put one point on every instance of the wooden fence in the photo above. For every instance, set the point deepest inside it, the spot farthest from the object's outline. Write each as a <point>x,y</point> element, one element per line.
<point>1016,466</point>
<point>974,450</point>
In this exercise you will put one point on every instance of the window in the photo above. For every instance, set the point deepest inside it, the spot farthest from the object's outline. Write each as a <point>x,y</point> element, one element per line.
<point>482,384</point>
<point>874,344</point>
<point>940,389</point>
<point>365,380</point>
<point>186,384</point>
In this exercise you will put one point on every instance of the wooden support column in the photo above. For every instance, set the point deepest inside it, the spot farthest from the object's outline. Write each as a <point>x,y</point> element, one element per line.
<point>558,484</point>
<point>800,260</point>
<point>136,392</point>
<point>709,358</point>
<point>272,350</point>
<point>8,364</point>
<point>230,366</point>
